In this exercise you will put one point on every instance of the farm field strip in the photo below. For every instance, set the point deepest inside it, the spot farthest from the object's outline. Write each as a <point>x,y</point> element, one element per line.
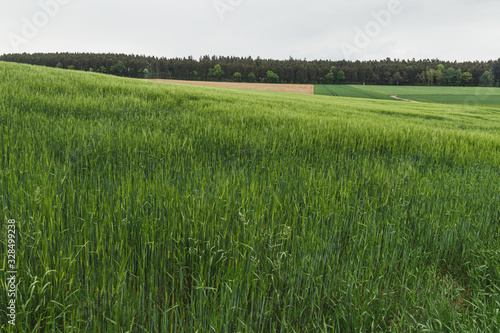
<point>307,89</point>
<point>472,96</point>
<point>348,91</point>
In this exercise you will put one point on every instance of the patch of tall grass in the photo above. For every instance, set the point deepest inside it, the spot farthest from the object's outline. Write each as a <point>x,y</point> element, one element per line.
<point>147,207</point>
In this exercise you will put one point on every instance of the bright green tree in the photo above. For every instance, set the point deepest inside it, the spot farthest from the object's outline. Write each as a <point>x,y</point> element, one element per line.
<point>218,72</point>
<point>272,77</point>
<point>237,77</point>
<point>430,76</point>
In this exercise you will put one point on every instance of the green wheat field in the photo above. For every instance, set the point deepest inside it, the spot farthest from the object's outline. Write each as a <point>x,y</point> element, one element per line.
<point>154,207</point>
<point>471,96</point>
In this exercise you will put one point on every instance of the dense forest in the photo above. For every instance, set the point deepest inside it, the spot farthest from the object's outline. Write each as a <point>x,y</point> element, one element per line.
<point>384,72</point>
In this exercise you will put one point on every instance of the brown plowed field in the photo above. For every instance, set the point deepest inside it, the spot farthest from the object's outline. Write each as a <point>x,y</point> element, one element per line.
<point>290,88</point>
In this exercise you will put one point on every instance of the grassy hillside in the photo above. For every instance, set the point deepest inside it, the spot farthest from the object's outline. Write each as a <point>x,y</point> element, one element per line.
<point>468,96</point>
<point>147,207</point>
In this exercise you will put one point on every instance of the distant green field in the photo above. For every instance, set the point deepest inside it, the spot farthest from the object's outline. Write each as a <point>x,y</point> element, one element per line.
<point>471,96</point>
<point>157,207</point>
<point>348,91</point>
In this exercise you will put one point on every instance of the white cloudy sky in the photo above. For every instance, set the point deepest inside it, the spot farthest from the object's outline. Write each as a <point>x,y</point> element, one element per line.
<point>314,29</point>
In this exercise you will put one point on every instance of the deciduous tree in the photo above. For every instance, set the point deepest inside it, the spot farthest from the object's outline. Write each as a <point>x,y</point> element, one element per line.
<point>449,76</point>
<point>330,78</point>
<point>340,77</point>
<point>218,72</point>
<point>467,77</point>
<point>118,69</point>
<point>487,79</point>
<point>272,77</point>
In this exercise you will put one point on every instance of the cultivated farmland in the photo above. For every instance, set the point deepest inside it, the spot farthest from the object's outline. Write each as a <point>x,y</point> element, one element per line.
<point>155,207</point>
<point>307,89</point>
<point>470,96</point>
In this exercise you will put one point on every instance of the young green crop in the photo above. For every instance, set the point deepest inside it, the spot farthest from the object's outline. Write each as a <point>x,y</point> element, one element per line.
<point>468,96</point>
<point>150,207</point>
<point>349,91</point>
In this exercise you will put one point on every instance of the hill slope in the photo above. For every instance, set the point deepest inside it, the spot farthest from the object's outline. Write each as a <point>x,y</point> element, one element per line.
<point>152,207</point>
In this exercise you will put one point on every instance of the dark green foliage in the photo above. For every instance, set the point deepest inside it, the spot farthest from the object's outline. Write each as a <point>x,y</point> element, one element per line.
<point>329,78</point>
<point>340,77</point>
<point>251,77</point>
<point>467,78</point>
<point>118,69</point>
<point>397,78</point>
<point>487,79</point>
<point>411,72</point>
<point>496,72</point>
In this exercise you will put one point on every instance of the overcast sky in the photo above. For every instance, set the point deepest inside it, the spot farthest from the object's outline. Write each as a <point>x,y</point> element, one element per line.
<point>314,29</point>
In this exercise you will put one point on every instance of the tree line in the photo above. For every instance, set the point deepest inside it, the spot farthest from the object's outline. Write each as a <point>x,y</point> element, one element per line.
<point>426,72</point>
